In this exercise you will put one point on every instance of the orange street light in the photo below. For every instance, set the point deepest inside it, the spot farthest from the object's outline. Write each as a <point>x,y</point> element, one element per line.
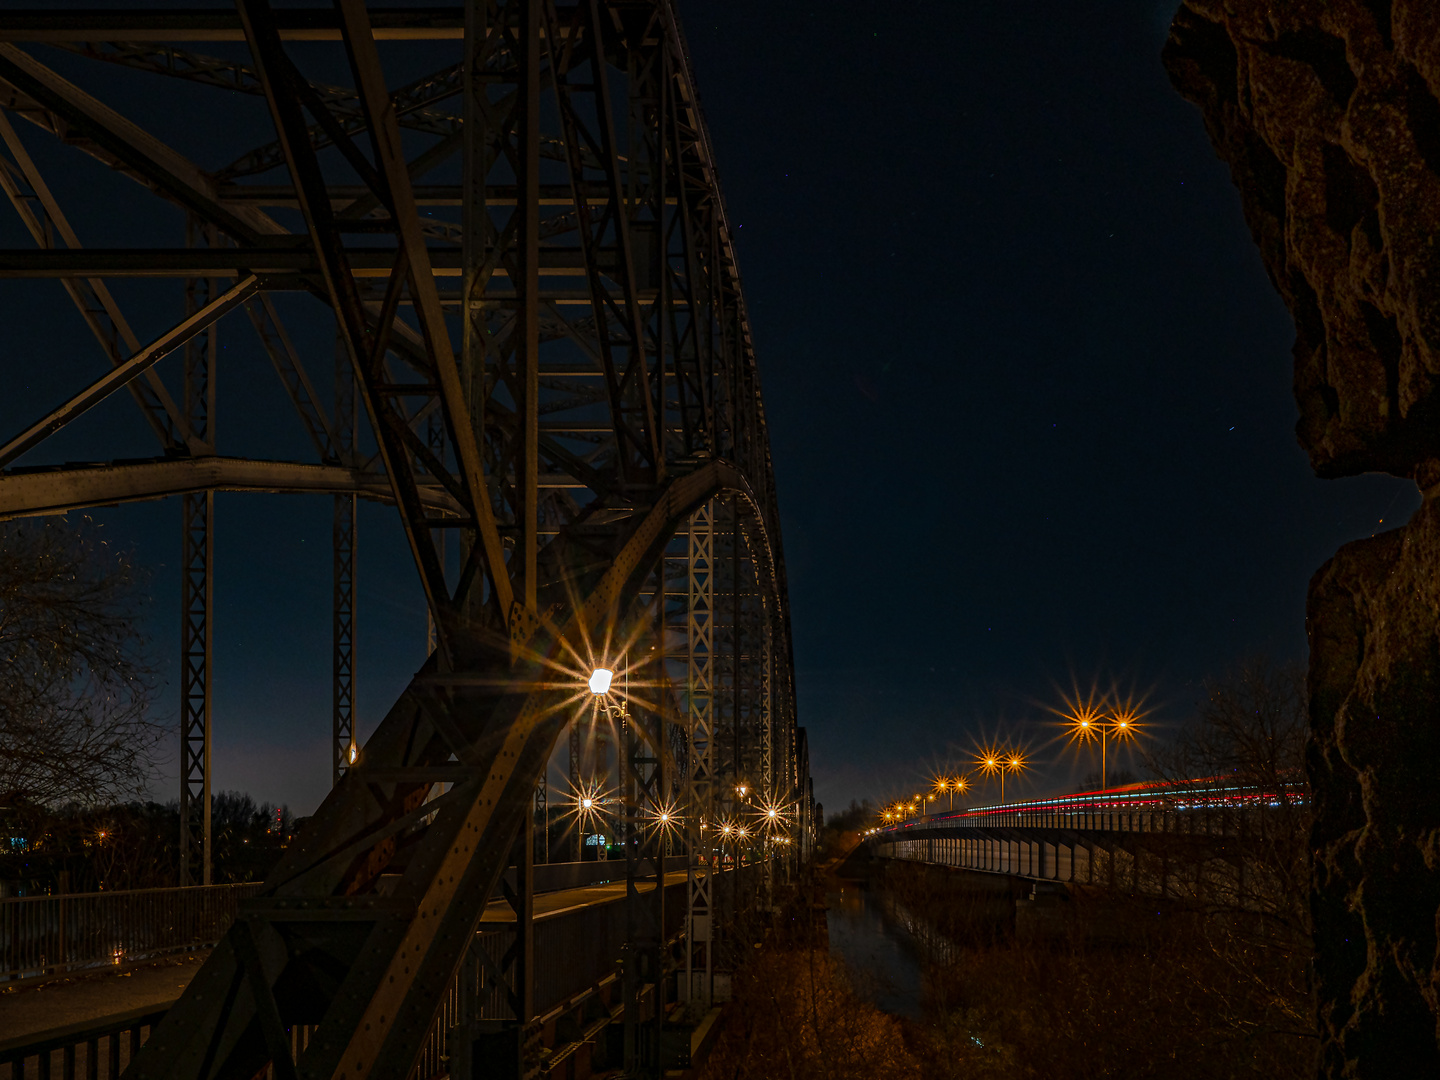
<point>1015,763</point>
<point>943,787</point>
<point>1124,723</point>
<point>991,761</point>
<point>962,785</point>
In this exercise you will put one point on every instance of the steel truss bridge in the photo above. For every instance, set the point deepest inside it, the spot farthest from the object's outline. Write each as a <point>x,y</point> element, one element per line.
<point>506,216</point>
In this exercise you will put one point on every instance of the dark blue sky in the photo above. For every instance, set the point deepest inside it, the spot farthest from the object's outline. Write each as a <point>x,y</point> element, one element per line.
<point>1027,384</point>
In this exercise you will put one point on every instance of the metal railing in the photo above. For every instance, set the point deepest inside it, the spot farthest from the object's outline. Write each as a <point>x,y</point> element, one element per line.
<point>577,964</point>
<point>53,935</point>
<point>89,1049</point>
<point>1149,807</point>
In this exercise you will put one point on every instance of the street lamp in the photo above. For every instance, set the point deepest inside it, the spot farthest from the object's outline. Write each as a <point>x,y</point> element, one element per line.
<point>1014,762</point>
<point>989,763</point>
<point>600,681</point>
<point>1123,725</point>
<point>959,786</point>
<point>946,785</point>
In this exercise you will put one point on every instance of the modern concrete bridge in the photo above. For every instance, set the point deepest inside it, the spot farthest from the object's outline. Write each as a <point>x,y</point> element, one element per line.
<point>1162,840</point>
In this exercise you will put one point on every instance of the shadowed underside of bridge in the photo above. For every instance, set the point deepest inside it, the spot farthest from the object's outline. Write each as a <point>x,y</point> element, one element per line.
<point>507,216</point>
<point>1213,844</point>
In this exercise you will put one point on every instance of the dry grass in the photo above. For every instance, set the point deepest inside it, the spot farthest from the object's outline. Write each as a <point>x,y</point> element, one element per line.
<point>1188,995</point>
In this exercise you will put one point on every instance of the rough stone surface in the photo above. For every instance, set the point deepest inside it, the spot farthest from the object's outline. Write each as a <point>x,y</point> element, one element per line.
<point>1375,719</point>
<point>1329,117</point>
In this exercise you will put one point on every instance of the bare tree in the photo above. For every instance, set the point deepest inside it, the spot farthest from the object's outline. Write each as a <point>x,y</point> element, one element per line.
<point>1240,765</point>
<point>1244,755</point>
<point>75,686</point>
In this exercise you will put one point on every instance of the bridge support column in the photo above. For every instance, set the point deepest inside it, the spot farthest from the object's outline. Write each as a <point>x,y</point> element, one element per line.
<point>343,748</point>
<point>577,832</point>
<point>642,975</point>
<point>197,515</point>
<point>196,592</point>
<point>701,831</point>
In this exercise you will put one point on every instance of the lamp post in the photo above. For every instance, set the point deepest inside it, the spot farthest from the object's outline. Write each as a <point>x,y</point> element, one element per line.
<point>600,682</point>
<point>1086,725</point>
<point>949,786</point>
<point>1014,762</point>
<point>989,764</point>
<point>1122,725</point>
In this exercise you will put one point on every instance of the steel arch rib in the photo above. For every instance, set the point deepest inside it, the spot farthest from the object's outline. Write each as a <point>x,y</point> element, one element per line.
<point>362,925</point>
<point>383,1006</point>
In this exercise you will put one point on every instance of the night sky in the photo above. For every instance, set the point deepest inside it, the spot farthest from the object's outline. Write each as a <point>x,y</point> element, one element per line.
<point>1027,384</point>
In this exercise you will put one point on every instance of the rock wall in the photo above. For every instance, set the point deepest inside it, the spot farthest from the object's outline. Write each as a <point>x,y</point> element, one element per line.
<point>1328,114</point>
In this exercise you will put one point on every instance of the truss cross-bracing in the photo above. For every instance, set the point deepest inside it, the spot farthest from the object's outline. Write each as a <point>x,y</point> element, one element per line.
<point>507,215</point>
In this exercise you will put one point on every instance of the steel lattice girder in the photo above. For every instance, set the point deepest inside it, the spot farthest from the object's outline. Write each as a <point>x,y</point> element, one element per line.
<point>605,388</point>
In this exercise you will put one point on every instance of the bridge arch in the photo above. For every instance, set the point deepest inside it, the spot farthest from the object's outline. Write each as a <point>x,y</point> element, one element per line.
<point>545,349</point>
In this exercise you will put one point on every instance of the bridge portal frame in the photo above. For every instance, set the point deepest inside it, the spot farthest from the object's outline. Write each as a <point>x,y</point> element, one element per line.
<point>380,893</point>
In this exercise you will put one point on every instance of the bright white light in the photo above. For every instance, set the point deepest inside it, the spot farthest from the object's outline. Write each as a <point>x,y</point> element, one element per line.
<point>354,752</point>
<point>585,804</point>
<point>600,680</point>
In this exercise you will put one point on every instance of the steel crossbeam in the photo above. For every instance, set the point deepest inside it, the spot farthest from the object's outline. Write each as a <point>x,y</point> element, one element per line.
<point>552,360</point>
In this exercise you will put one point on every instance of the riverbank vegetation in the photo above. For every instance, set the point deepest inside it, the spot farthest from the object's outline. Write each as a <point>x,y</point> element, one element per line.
<point>1210,983</point>
<point>1122,991</point>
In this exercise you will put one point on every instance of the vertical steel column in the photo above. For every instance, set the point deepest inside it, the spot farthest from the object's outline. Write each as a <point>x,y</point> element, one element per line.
<point>196,591</point>
<point>700,773</point>
<point>767,747</point>
<point>527,293</point>
<point>342,625</point>
<point>542,787</point>
<point>197,540</point>
<point>578,833</point>
<point>435,442</point>
<point>643,781</point>
<point>522,1001</point>
<point>476,235</point>
<point>342,536</point>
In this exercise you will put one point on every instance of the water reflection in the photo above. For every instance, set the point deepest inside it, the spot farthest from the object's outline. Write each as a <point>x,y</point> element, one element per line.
<point>869,934</point>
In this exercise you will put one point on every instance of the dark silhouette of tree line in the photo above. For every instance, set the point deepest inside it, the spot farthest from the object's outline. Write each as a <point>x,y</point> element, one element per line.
<point>79,739</point>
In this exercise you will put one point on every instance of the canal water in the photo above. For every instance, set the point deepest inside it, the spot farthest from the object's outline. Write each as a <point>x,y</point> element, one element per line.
<point>875,939</point>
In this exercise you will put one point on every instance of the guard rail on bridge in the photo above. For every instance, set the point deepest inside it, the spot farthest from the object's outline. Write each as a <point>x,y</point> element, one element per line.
<point>577,949</point>
<point>542,358</point>
<point>1133,837</point>
<point>62,934</point>
<point>66,933</point>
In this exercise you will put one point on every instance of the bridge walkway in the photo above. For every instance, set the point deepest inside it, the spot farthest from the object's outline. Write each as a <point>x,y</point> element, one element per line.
<point>40,1011</point>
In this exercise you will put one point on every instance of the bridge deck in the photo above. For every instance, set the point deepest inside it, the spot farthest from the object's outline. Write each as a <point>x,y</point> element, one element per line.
<point>42,1007</point>
<point>559,902</point>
